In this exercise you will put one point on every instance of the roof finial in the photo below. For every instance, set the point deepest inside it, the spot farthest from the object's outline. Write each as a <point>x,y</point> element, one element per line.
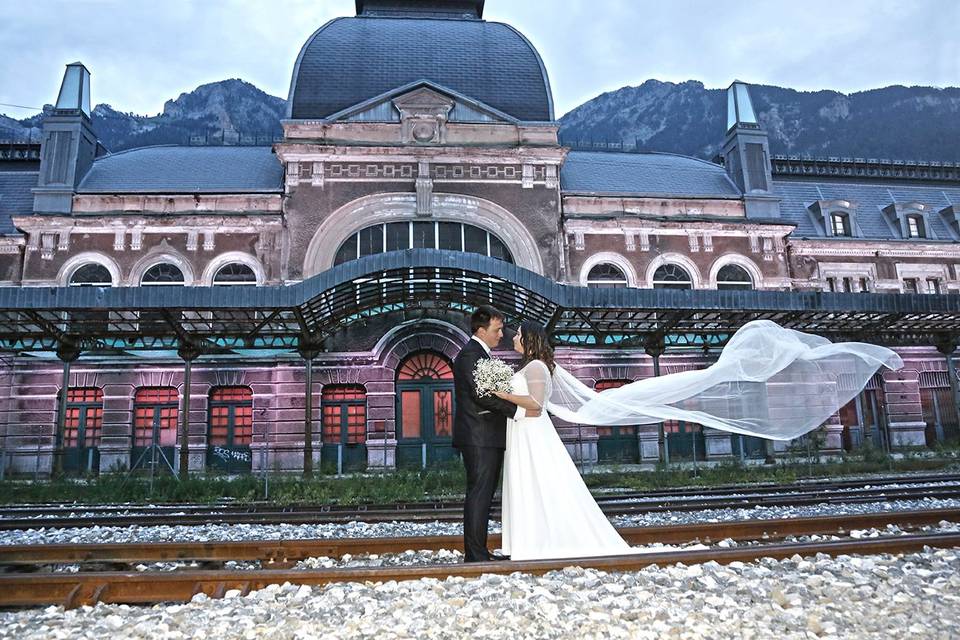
<point>739,107</point>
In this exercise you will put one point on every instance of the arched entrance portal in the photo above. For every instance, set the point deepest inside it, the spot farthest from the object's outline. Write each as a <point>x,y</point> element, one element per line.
<point>424,411</point>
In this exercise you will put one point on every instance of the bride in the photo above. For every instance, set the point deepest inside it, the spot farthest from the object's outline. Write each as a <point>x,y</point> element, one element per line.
<point>769,382</point>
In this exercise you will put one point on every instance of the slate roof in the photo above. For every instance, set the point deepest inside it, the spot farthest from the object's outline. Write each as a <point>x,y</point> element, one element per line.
<point>661,174</point>
<point>15,197</point>
<point>175,169</point>
<point>870,201</point>
<point>349,60</point>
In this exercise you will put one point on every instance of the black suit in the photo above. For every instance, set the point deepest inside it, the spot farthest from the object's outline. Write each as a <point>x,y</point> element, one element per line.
<point>480,433</point>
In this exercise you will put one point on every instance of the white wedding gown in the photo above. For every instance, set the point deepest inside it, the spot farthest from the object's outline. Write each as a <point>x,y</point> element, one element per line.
<point>547,511</point>
<point>769,381</point>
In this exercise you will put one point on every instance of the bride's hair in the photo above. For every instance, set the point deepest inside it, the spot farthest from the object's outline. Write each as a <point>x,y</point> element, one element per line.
<point>536,344</point>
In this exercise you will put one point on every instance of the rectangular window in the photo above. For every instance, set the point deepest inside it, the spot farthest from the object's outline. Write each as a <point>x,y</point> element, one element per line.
<point>158,406</point>
<point>911,285</point>
<point>450,236</point>
<point>398,236</point>
<point>864,285</point>
<point>344,409</point>
<point>231,416</point>
<point>913,227</point>
<point>841,224</point>
<point>410,424</point>
<point>933,286</point>
<point>831,284</point>
<point>371,241</point>
<point>424,235</point>
<point>84,418</point>
<point>847,285</point>
<point>474,240</point>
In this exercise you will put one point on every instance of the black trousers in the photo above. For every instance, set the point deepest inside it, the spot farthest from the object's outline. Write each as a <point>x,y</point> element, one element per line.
<point>483,466</point>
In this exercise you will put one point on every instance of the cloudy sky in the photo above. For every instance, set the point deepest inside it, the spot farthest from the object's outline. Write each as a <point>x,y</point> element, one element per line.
<point>143,52</point>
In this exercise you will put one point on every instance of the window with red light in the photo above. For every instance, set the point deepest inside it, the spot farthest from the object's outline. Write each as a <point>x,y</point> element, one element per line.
<point>148,404</point>
<point>344,409</point>
<point>425,365</point>
<point>231,416</point>
<point>602,385</point>
<point>84,413</point>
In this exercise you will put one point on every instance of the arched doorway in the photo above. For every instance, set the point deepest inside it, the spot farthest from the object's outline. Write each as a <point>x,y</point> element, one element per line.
<point>424,411</point>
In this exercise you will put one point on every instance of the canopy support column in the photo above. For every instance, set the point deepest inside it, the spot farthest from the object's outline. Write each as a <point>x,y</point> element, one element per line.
<point>188,353</point>
<point>308,352</point>
<point>67,352</point>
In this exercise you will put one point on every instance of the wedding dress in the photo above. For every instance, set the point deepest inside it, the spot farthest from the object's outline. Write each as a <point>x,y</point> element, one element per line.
<point>547,511</point>
<point>769,381</point>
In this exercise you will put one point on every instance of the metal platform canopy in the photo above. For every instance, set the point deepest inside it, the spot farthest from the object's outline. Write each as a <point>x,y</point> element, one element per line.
<point>196,321</point>
<point>212,320</point>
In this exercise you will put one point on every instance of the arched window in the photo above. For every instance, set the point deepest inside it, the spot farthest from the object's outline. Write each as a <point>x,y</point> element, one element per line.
<point>425,366</point>
<point>915,227</point>
<point>91,274</point>
<point>606,276</point>
<point>732,276</point>
<point>235,273</point>
<point>671,276</point>
<point>398,236</point>
<point>162,274</point>
<point>840,224</point>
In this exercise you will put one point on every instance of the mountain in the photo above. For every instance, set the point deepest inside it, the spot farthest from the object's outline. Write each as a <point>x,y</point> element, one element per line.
<point>907,123</point>
<point>230,111</point>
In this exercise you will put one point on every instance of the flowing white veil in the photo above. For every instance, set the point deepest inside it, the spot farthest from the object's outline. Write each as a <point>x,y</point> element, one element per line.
<point>769,382</point>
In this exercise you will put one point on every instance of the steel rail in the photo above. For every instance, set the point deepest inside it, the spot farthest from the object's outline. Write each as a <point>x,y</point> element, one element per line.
<point>287,552</point>
<point>76,589</point>
<point>453,512</point>
<point>690,492</point>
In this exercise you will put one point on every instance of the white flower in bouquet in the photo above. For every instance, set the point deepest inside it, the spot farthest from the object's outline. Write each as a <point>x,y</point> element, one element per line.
<point>492,374</point>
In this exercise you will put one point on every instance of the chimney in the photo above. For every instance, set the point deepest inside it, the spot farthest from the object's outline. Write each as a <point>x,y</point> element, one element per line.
<point>68,144</point>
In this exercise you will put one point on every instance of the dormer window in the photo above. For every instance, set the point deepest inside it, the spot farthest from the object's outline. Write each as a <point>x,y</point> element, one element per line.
<point>915,226</point>
<point>835,218</point>
<point>840,224</point>
<point>909,219</point>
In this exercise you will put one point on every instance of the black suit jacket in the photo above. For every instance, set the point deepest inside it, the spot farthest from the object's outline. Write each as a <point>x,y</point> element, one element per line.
<point>477,422</point>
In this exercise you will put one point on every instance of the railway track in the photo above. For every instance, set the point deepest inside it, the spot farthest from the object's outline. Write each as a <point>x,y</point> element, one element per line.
<point>286,553</point>
<point>451,512</point>
<point>87,588</point>
<point>679,493</point>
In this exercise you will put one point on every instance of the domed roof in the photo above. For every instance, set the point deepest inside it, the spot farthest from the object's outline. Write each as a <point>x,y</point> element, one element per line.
<point>350,60</point>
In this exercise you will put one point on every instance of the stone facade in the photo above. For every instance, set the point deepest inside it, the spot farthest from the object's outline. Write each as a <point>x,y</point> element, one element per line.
<point>424,153</point>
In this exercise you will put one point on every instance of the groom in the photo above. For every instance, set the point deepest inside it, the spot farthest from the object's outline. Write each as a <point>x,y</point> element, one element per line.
<point>480,431</point>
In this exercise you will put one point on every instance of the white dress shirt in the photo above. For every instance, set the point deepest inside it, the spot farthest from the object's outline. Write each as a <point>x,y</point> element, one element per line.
<point>521,412</point>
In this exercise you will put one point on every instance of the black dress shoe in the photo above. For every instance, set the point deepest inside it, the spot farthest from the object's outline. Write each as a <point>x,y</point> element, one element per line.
<point>496,557</point>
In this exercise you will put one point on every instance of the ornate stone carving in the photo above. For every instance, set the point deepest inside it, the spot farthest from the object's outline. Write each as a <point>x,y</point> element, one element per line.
<point>527,179</point>
<point>423,116</point>
<point>47,244</point>
<point>424,190</point>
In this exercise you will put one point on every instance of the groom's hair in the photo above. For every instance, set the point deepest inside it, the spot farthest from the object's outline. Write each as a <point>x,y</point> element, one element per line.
<point>482,317</point>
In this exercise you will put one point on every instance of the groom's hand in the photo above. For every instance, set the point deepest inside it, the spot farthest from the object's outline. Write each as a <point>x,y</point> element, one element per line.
<point>533,413</point>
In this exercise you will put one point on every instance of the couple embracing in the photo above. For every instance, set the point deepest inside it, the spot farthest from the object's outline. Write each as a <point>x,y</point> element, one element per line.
<point>769,382</point>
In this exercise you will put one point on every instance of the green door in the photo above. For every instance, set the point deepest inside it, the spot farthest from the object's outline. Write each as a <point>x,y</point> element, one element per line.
<point>344,409</point>
<point>684,440</point>
<point>425,424</point>
<point>80,439</point>
<point>424,411</point>
<point>617,445</point>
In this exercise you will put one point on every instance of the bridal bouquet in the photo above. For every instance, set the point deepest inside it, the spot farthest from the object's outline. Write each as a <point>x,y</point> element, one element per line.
<point>492,375</point>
